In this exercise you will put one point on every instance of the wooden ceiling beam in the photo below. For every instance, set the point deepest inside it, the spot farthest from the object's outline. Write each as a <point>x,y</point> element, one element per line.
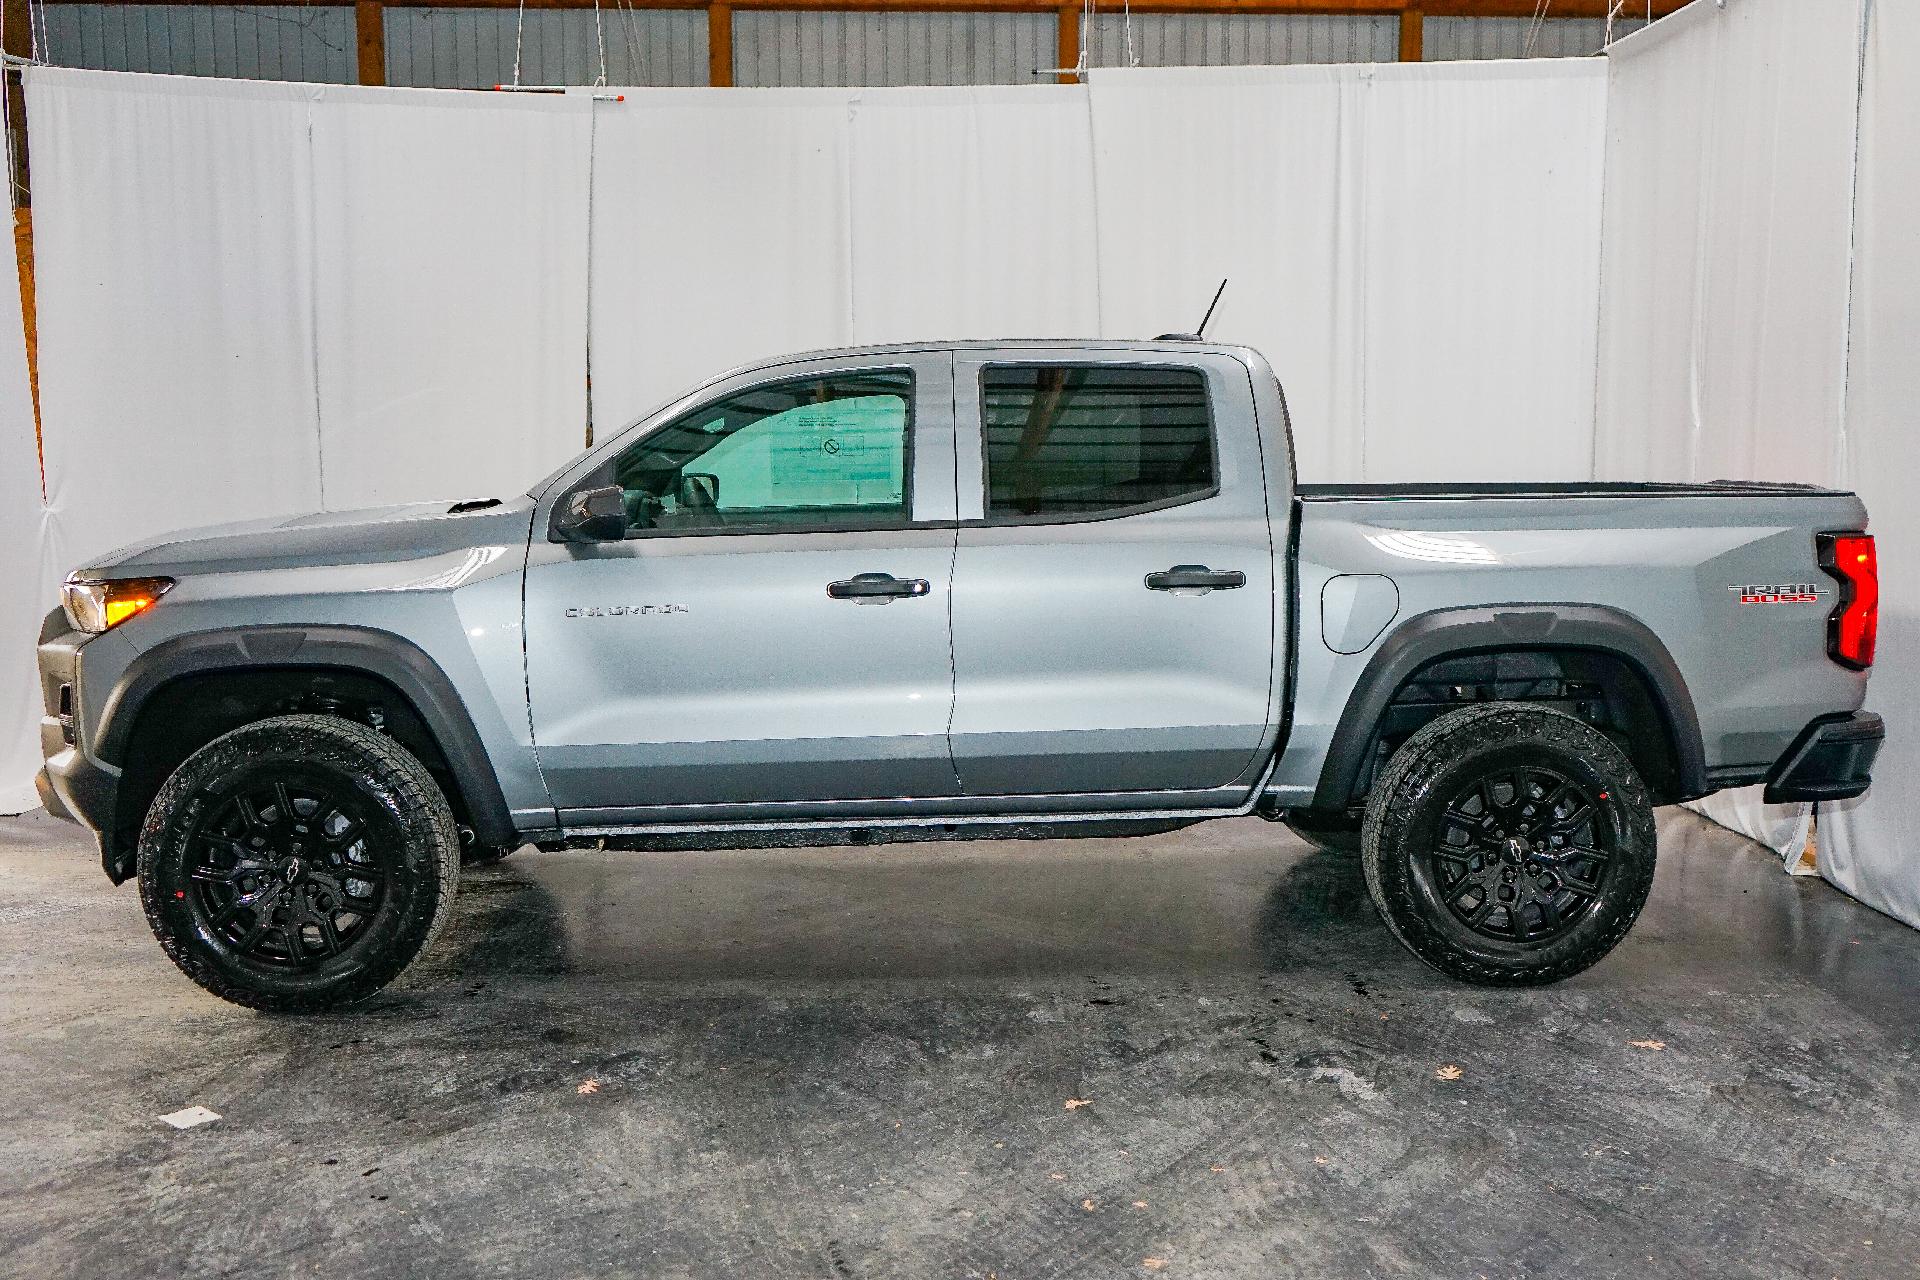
<point>1430,8</point>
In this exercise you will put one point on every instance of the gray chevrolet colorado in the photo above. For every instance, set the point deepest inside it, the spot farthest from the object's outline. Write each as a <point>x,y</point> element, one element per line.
<point>951,590</point>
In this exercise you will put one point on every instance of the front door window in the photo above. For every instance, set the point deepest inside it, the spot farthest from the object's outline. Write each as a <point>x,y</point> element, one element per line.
<point>819,453</point>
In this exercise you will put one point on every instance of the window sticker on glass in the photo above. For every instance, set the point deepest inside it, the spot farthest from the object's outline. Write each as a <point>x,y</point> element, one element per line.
<point>846,453</point>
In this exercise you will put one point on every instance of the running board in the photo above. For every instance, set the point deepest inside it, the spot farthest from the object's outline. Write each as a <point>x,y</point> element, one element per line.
<point>803,832</point>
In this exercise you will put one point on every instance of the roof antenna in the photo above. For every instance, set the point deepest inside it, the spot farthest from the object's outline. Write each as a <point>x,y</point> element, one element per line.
<point>1201,332</point>
<point>1198,335</point>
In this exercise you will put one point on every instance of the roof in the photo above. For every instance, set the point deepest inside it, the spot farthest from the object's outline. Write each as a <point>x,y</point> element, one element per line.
<point>1171,346</point>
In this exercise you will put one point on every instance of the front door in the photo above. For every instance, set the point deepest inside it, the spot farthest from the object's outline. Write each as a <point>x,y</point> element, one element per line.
<point>773,628</point>
<point>1113,606</point>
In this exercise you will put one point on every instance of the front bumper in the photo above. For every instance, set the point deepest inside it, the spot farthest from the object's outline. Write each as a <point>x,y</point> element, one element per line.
<point>1832,759</point>
<point>71,784</point>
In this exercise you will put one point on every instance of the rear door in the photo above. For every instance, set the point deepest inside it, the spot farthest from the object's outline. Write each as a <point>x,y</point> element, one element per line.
<point>1113,590</point>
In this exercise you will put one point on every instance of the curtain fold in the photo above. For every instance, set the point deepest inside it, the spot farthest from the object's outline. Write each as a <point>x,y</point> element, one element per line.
<point>1725,243</point>
<point>27,584</point>
<point>174,266</point>
<point>1870,847</point>
<point>450,295</point>
<point>1415,248</point>
<point>995,236</point>
<point>720,235</point>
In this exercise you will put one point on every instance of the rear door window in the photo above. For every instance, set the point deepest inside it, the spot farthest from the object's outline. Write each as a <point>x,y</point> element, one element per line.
<point>1065,442</point>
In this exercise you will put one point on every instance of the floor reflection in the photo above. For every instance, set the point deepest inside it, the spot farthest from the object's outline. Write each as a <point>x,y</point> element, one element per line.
<point>1236,895</point>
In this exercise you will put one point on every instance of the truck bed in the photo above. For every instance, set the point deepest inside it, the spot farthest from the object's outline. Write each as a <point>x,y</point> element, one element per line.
<point>1679,561</point>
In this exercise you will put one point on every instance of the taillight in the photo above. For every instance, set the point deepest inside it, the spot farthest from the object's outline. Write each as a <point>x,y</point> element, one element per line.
<point>1854,623</point>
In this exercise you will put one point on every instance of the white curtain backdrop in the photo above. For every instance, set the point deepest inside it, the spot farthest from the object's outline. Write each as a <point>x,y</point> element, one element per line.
<point>260,298</point>
<point>1253,175</point>
<point>1481,205</point>
<point>1728,207</point>
<point>173,252</point>
<point>365,295</point>
<point>804,218</point>
<point>972,214</point>
<point>1870,847</point>
<point>450,291</point>
<point>1724,279</point>
<point>720,235</point>
<point>1414,247</point>
<point>25,571</point>
<point>733,225</point>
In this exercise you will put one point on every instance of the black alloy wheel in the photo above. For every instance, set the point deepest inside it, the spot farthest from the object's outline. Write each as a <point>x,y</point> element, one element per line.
<point>1522,855</point>
<point>294,865</point>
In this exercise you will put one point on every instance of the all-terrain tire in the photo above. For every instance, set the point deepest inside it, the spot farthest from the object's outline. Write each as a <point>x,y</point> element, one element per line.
<point>298,863</point>
<point>1524,817</point>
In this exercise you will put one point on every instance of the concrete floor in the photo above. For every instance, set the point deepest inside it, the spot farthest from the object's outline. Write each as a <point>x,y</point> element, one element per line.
<point>864,1062</point>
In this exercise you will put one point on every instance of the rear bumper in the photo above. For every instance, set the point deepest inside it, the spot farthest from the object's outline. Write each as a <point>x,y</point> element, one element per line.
<point>1832,759</point>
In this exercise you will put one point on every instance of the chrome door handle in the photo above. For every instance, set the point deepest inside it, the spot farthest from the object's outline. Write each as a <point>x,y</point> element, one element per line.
<point>1195,577</point>
<point>876,588</point>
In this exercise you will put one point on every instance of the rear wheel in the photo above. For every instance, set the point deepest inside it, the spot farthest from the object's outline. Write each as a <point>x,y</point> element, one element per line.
<point>1509,845</point>
<point>298,863</point>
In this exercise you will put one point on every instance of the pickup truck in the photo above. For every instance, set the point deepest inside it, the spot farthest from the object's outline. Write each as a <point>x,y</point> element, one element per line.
<point>951,590</point>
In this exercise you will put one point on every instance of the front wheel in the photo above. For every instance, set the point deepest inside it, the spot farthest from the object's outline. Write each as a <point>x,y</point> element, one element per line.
<point>1509,845</point>
<point>298,863</point>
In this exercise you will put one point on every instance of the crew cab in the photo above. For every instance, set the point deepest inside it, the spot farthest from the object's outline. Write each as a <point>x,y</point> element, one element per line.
<point>951,590</point>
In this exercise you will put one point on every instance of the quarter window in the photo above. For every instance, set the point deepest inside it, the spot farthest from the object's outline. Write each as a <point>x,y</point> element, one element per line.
<point>825,452</point>
<point>1069,441</point>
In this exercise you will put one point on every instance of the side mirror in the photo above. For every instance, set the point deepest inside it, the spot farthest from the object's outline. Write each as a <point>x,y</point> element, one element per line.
<point>592,515</point>
<point>697,491</point>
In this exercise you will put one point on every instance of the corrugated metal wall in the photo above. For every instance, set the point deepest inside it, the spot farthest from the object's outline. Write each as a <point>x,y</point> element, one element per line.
<point>474,48</point>
<point>1452,39</point>
<point>831,48</point>
<point>245,42</point>
<point>1209,40</point>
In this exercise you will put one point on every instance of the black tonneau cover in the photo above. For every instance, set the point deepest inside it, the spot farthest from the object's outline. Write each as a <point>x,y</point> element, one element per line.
<point>1560,489</point>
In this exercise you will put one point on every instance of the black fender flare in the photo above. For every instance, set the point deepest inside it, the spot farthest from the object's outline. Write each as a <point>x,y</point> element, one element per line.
<point>1458,632</point>
<point>362,650</point>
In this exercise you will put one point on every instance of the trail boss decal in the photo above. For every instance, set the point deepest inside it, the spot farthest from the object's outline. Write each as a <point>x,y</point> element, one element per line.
<point>623,610</point>
<point>1779,593</point>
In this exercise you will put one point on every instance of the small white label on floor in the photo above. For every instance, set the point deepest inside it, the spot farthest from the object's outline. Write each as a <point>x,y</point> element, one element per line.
<point>188,1117</point>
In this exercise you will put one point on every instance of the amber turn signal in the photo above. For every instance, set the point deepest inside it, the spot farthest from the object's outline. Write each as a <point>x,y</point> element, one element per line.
<point>101,606</point>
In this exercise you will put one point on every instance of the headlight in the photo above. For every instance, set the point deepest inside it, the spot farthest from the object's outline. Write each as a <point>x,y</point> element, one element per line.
<point>101,606</point>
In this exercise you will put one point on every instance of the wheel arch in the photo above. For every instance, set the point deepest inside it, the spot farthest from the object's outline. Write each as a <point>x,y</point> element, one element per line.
<point>1609,636</point>
<point>286,661</point>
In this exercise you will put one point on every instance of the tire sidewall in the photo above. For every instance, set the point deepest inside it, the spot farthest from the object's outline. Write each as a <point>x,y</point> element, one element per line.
<point>1432,767</point>
<point>412,845</point>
